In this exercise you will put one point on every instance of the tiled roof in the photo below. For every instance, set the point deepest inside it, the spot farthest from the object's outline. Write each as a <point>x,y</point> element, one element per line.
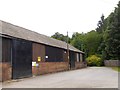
<point>19,32</point>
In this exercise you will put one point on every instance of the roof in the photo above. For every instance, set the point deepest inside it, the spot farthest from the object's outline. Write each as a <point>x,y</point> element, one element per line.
<point>19,32</point>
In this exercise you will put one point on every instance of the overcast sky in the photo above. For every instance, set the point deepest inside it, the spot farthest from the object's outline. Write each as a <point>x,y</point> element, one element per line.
<point>50,16</point>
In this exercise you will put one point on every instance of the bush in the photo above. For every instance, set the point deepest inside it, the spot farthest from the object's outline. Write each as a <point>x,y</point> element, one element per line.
<point>94,60</point>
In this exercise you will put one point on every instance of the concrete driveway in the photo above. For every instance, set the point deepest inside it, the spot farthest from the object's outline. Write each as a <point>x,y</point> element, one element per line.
<point>91,77</point>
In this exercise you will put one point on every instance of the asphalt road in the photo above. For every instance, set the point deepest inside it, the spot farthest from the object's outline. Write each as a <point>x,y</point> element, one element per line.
<point>91,77</point>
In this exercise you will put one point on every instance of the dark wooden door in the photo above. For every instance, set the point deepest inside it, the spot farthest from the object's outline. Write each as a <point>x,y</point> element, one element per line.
<point>6,50</point>
<point>21,58</point>
<point>72,60</point>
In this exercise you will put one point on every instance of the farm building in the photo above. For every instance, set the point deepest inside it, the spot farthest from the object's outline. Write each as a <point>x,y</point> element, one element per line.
<point>26,53</point>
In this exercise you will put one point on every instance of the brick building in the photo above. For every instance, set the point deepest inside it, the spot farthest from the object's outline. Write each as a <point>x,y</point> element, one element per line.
<point>25,53</point>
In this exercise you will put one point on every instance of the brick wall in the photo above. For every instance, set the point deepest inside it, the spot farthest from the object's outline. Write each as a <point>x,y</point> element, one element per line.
<point>43,68</point>
<point>112,63</point>
<point>5,72</point>
<point>79,65</point>
<point>49,67</point>
<point>0,72</point>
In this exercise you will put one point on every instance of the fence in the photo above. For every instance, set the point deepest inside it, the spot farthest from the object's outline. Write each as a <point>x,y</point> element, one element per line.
<point>112,63</point>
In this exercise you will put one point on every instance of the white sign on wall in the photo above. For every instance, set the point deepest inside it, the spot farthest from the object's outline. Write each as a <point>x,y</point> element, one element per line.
<point>33,63</point>
<point>46,56</point>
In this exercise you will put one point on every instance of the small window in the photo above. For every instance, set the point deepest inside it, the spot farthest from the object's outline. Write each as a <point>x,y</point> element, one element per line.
<point>78,57</point>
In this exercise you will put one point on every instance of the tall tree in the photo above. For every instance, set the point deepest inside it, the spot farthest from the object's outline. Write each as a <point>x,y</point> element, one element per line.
<point>113,35</point>
<point>101,24</point>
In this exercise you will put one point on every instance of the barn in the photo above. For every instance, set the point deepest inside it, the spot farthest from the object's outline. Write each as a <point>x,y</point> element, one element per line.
<point>25,53</point>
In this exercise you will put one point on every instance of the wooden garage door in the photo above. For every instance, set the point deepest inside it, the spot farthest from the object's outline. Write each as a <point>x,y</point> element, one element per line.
<point>21,58</point>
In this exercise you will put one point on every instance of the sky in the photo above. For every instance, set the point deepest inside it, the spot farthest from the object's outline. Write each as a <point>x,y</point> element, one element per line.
<point>50,16</point>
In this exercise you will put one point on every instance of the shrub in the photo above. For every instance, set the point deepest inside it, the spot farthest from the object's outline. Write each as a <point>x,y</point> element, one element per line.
<point>94,60</point>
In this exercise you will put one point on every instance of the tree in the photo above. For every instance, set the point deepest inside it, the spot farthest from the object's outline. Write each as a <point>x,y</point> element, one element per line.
<point>105,40</point>
<point>76,40</point>
<point>61,37</point>
<point>113,35</point>
<point>101,25</point>
<point>101,28</point>
<point>92,42</point>
<point>88,42</point>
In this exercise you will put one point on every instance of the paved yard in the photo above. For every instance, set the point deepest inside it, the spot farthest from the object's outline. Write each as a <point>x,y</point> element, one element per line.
<point>92,77</point>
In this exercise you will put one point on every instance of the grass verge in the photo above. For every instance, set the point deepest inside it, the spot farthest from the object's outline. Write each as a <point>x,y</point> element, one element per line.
<point>116,68</point>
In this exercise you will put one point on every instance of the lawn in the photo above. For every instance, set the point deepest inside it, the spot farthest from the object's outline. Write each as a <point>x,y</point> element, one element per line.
<point>116,68</point>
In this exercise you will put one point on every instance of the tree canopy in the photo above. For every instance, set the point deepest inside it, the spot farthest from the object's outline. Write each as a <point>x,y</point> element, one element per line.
<point>103,41</point>
<point>61,37</point>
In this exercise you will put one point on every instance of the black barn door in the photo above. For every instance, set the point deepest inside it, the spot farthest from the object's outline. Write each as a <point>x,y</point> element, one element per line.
<point>54,54</point>
<point>21,59</point>
<point>72,60</point>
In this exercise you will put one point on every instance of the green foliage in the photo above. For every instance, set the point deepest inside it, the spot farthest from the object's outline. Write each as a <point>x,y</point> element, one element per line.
<point>113,35</point>
<point>105,40</point>
<point>77,41</point>
<point>110,46</point>
<point>88,43</point>
<point>101,25</point>
<point>92,42</point>
<point>116,68</point>
<point>61,37</point>
<point>94,60</point>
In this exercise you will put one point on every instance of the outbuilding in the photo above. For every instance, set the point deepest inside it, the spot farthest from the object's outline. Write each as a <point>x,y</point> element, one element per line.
<point>26,53</point>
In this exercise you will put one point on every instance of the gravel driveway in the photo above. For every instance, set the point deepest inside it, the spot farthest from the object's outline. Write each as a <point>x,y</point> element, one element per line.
<point>91,77</point>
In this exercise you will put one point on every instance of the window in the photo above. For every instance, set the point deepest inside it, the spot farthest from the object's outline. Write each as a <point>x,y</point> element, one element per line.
<point>78,60</point>
<point>81,57</point>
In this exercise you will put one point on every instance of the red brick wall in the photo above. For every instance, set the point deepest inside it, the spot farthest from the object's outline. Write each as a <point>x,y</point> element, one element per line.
<point>0,72</point>
<point>49,67</point>
<point>79,65</point>
<point>5,72</point>
<point>43,68</point>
